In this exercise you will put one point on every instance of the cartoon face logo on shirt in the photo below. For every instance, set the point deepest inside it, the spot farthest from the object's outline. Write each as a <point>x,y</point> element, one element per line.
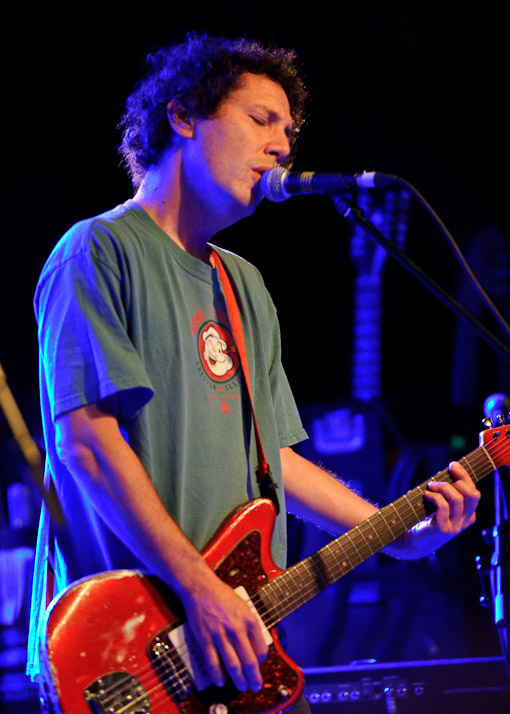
<point>217,351</point>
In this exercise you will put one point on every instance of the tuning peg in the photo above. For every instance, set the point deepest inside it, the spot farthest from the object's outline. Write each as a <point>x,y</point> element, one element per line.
<point>487,422</point>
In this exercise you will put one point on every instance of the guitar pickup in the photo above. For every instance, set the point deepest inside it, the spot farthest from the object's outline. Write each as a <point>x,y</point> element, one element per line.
<point>190,652</point>
<point>241,591</point>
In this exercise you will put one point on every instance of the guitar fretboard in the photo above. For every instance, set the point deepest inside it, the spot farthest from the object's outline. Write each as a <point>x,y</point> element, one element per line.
<point>302,581</point>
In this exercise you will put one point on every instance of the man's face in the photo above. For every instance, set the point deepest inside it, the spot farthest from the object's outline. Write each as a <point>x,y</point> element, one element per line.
<point>249,133</point>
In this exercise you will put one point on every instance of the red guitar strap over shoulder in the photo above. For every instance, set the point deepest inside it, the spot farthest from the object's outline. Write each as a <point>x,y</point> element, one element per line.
<point>264,478</point>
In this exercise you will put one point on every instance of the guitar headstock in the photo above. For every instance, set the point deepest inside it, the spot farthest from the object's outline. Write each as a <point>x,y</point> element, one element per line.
<point>496,438</point>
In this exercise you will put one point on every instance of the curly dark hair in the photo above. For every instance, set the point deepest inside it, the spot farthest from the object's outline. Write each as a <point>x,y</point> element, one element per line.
<point>199,73</point>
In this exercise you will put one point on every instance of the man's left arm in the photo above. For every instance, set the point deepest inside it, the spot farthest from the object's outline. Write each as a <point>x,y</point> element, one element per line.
<point>315,495</point>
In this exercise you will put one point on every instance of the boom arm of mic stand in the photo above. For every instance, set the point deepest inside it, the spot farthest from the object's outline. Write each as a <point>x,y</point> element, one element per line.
<point>354,215</point>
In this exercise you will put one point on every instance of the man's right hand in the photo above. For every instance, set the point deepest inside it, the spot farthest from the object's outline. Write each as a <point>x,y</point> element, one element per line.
<point>227,630</point>
<point>90,444</point>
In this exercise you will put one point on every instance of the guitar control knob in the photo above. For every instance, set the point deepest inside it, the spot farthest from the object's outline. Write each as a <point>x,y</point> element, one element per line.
<point>218,708</point>
<point>283,691</point>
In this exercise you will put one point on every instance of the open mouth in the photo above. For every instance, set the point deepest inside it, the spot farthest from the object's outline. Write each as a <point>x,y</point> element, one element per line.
<point>261,170</point>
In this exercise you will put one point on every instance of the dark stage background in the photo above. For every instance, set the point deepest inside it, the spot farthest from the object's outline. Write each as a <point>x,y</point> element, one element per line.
<point>415,89</point>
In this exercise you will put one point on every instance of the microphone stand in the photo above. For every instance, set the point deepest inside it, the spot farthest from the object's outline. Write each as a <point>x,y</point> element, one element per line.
<point>500,564</point>
<point>355,216</point>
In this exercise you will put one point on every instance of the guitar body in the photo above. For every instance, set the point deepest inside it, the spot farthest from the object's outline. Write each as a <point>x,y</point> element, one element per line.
<point>117,643</point>
<point>106,647</point>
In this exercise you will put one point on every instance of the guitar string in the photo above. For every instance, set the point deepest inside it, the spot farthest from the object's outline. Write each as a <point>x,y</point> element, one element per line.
<point>438,477</point>
<point>416,517</point>
<point>475,459</point>
<point>180,672</point>
<point>347,554</point>
<point>176,677</point>
<point>404,500</point>
<point>161,692</point>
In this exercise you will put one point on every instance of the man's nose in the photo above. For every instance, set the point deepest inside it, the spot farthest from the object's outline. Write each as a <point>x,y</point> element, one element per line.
<point>279,146</point>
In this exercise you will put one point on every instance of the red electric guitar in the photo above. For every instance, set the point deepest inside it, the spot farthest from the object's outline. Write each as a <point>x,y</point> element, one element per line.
<point>116,643</point>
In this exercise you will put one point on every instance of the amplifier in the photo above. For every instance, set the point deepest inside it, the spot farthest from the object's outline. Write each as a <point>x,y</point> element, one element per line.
<point>466,686</point>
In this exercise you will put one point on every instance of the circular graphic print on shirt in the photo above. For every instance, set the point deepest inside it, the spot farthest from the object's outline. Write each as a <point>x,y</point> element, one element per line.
<point>217,351</point>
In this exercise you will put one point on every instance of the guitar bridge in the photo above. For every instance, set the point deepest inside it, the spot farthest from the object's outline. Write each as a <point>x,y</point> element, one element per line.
<point>178,656</point>
<point>115,692</point>
<point>184,641</point>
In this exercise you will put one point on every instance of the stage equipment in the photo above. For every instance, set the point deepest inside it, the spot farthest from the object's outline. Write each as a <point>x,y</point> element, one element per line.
<point>470,686</point>
<point>497,412</point>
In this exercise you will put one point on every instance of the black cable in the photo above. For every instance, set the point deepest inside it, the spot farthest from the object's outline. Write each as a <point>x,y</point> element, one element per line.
<point>354,215</point>
<point>458,253</point>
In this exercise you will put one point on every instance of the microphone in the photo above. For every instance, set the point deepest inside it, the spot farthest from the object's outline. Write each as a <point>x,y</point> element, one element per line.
<point>495,405</point>
<point>279,184</point>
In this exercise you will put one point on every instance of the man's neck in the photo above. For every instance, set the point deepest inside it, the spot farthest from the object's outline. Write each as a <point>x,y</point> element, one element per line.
<point>176,209</point>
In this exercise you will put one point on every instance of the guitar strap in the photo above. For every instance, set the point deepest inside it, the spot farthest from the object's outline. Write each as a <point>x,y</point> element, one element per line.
<point>47,571</point>
<point>264,477</point>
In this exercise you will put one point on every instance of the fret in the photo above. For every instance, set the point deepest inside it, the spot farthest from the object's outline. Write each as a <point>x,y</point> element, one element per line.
<point>417,517</point>
<point>277,599</point>
<point>321,569</point>
<point>382,517</point>
<point>306,579</point>
<point>397,511</point>
<point>266,604</point>
<point>336,548</point>
<point>353,543</point>
<point>489,458</point>
<point>292,590</point>
<point>468,468</point>
<point>288,598</point>
<point>416,495</point>
<point>298,594</point>
<point>359,529</point>
<point>346,563</point>
<point>309,587</point>
<point>328,564</point>
<point>441,476</point>
<point>372,526</point>
<point>410,513</point>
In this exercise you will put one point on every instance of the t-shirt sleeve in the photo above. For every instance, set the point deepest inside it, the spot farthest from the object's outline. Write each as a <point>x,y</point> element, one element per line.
<point>288,420</point>
<point>283,406</point>
<point>86,352</point>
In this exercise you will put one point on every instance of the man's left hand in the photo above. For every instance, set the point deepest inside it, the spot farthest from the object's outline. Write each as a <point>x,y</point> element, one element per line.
<point>455,504</point>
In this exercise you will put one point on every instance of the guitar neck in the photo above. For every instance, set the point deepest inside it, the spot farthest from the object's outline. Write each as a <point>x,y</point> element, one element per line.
<point>301,582</point>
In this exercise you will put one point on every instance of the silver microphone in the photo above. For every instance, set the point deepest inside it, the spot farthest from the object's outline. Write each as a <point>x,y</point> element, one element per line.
<point>279,184</point>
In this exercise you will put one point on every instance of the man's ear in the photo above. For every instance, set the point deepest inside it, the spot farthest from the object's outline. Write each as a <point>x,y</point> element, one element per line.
<point>180,120</point>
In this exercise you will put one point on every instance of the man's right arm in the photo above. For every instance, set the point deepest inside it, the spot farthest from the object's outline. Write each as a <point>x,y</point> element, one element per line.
<point>91,446</point>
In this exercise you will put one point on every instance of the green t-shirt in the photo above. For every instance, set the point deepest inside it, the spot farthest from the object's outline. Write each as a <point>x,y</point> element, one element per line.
<point>123,312</point>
